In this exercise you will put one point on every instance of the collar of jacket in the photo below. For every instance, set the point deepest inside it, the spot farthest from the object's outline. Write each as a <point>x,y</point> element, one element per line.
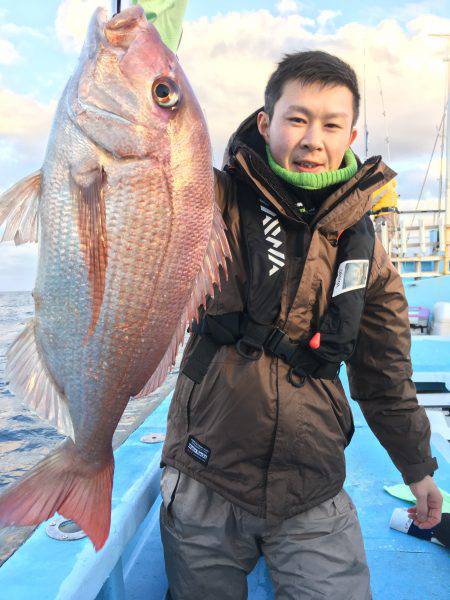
<point>340,210</point>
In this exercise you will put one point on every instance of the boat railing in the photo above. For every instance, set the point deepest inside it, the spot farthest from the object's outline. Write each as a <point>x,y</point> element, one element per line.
<point>419,249</point>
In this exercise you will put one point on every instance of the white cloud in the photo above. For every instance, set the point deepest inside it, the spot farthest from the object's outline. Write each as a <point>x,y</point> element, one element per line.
<point>285,7</point>
<point>24,127</point>
<point>8,53</point>
<point>18,265</point>
<point>24,120</point>
<point>228,59</point>
<point>11,29</point>
<point>325,16</point>
<point>72,20</point>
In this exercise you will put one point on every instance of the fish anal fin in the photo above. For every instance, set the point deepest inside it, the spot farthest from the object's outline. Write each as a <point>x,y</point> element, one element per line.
<point>215,256</point>
<point>18,209</point>
<point>88,187</point>
<point>66,483</point>
<point>32,383</point>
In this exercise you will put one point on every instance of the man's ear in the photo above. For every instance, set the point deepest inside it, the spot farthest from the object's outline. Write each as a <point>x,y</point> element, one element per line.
<point>263,123</point>
<point>353,135</point>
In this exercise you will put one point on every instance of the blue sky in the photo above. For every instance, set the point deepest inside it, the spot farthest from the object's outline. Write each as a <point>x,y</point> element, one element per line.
<point>44,69</point>
<point>355,10</point>
<point>225,56</point>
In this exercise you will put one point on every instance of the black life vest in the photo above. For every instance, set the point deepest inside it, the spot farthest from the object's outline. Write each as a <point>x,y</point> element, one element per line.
<point>254,330</point>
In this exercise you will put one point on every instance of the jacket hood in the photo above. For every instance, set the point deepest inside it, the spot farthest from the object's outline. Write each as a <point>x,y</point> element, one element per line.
<point>246,134</point>
<point>245,153</point>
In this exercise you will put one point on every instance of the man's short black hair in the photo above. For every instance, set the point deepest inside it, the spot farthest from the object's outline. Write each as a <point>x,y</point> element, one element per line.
<point>312,66</point>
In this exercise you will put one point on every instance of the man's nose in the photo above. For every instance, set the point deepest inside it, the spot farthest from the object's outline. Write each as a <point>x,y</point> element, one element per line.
<point>312,139</point>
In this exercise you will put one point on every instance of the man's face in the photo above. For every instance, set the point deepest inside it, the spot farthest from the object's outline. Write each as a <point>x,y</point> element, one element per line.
<point>311,127</point>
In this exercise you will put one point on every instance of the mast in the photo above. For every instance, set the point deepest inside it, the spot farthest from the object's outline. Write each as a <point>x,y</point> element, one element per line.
<point>366,131</point>
<point>441,162</point>
<point>447,161</point>
<point>386,139</point>
<point>447,167</point>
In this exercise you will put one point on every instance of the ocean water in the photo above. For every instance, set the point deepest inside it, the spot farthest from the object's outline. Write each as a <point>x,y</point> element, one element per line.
<point>25,438</point>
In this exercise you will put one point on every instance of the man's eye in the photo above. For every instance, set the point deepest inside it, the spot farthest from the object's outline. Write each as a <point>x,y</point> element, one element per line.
<point>297,120</point>
<point>333,125</point>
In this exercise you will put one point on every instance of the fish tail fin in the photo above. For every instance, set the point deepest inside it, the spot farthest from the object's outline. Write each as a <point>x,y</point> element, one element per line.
<point>63,482</point>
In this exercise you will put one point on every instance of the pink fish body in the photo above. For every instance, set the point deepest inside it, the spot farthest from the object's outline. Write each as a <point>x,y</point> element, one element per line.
<point>130,243</point>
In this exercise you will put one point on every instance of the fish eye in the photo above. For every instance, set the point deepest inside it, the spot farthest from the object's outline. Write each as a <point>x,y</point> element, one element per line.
<point>165,92</point>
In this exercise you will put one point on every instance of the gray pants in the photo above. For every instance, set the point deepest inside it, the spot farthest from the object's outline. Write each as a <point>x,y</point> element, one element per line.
<point>211,545</point>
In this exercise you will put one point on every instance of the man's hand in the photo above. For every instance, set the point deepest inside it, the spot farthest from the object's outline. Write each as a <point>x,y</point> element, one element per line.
<point>427,513</point>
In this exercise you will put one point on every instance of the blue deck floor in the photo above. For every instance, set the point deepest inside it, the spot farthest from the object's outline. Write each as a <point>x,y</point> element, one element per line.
<point>402,567</point>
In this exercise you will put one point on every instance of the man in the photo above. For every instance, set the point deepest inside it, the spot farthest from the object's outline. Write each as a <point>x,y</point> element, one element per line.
<point>254,453</point>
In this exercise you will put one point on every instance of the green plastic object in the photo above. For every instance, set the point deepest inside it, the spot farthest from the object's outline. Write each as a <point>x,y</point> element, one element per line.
<point>167,16</point>
<point>402,491</point>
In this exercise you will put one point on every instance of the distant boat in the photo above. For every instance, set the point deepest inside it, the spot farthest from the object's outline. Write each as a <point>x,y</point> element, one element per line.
<point>418,243</point>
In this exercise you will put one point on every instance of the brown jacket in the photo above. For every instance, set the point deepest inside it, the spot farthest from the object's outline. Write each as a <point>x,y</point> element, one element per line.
<point>274,449</point>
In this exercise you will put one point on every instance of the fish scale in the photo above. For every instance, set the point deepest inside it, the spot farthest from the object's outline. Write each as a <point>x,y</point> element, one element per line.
<point>130,240</point>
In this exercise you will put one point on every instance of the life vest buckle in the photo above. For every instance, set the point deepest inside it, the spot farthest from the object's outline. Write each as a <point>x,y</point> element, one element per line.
<point>279,344</point>
<point>274,339</point>
<point>249,349</point>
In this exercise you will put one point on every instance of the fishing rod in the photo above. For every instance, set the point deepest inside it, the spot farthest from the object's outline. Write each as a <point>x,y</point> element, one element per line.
<point>118,5</point>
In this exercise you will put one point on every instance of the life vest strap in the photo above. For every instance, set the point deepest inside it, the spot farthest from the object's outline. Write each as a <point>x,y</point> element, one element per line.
<point>251,340</point>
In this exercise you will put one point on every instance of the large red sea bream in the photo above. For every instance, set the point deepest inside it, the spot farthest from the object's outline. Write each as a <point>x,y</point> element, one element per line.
<point>130,243</point>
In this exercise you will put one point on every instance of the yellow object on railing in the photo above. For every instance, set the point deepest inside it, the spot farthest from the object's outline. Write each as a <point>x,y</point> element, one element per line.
<point>385,199</point>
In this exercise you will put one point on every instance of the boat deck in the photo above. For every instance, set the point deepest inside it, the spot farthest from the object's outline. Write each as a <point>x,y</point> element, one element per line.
<point>131,563</point>
<point>402,567</point>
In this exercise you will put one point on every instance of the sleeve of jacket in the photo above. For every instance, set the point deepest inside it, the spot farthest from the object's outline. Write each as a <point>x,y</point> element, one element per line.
<point>380,371</point>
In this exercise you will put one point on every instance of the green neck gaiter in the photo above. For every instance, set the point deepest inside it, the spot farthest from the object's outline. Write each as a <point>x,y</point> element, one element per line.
<point>316,181</point>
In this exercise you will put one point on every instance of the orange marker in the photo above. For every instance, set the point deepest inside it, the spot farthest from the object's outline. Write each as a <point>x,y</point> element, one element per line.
<point>314,342</point>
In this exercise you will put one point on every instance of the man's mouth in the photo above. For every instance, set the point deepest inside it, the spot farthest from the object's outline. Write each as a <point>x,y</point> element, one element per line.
<point>307,166</point>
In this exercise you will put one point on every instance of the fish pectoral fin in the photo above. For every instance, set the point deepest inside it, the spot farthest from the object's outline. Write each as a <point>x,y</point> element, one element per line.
<point>31,382</point>
<point>88,187</point>
<point>19,209</point>
<point>216,254</point>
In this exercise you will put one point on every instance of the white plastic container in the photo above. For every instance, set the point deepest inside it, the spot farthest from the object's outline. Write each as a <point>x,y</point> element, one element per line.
<point>441,319</point>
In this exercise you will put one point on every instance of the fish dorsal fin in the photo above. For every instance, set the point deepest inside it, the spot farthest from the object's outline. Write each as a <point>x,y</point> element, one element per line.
<point>32,383</point>
<point>19,209</point>
<point>215,256</point>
